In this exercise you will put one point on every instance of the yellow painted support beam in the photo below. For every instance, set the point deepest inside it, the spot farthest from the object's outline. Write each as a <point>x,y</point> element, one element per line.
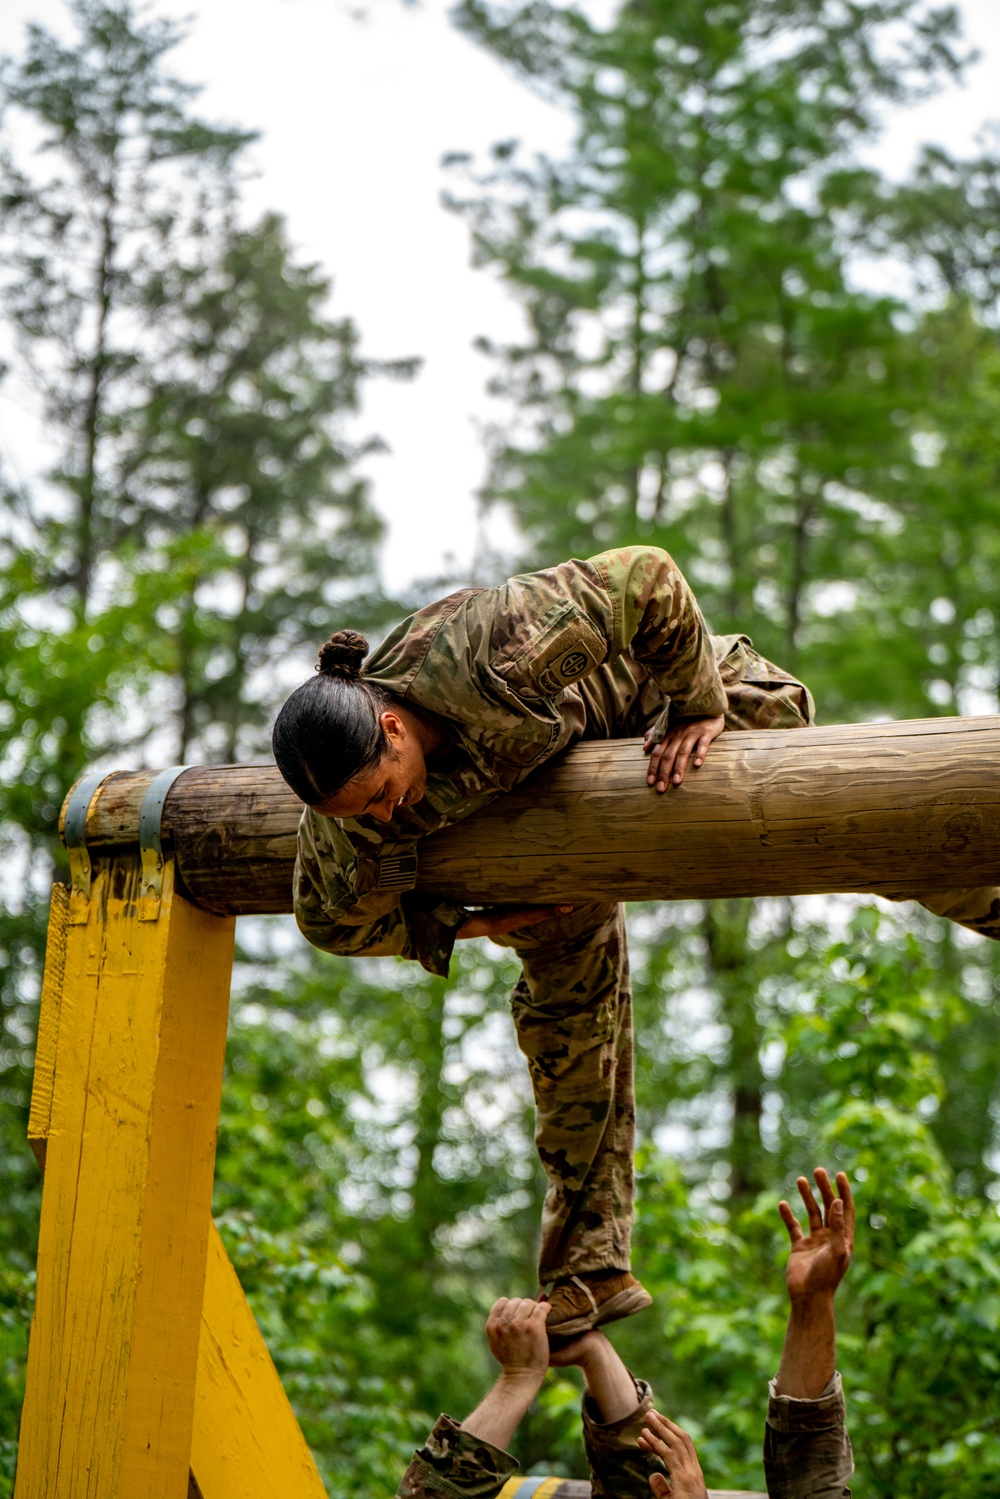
<point>133,1108</point>
<point>247,1443</point>
<point>47,1044</point>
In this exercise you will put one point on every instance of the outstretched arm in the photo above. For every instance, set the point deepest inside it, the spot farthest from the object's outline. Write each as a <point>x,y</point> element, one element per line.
<point>469,1459</point>
<point>515,1331</point>
<point>816,1265</point>
<point>621,1431</point>
<point>675,1449</point>
<point>806,1446</point>
<point>611,1390</point>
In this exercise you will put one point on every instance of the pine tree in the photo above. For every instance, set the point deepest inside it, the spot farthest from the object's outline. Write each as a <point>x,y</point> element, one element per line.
<point>701,369</point>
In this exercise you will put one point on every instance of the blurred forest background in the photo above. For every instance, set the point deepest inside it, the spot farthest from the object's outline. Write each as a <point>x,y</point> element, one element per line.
<point>701,367</point>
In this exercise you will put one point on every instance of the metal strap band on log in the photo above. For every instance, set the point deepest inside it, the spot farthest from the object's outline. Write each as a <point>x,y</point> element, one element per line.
<point>897,809</point>
<point>151,841</point>
<point>74,833</point>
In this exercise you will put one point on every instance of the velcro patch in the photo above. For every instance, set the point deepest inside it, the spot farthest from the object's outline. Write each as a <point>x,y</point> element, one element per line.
<point>397,872</point>
<point>567,655</point>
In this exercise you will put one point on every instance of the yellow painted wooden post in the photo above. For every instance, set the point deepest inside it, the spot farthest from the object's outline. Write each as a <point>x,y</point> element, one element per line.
<point>131,1122</point>
<point>47,1043</point>
<point>247,1443</point>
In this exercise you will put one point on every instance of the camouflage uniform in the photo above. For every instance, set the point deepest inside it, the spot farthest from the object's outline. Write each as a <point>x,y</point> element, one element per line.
<point>456,1463</point>
<point>514,675</point>
<point>619,1469</point>
<point>807,1454</point>
<point>807,1451</point>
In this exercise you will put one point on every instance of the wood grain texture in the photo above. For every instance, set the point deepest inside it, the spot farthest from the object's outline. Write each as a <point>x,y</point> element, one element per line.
<point>47,1044</point>
<point>899,807</point>
<point>247,1443</point>
<point>112,1358</point>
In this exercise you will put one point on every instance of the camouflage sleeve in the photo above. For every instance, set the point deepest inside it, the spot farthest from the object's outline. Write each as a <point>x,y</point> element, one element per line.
<point>807,1452</point>
<point>760,695</point>
<point>340,908</point>
<point>619,1469</point>
<point>581,614</point>
<point>454,1462</point>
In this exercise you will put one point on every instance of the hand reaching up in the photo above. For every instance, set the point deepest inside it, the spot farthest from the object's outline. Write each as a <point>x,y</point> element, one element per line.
<point>515,1331</point>
<point>666,1440</point>
<point>818,1260</point>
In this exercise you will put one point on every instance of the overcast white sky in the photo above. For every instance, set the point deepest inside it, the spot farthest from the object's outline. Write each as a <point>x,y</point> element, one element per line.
<point>356,115</point>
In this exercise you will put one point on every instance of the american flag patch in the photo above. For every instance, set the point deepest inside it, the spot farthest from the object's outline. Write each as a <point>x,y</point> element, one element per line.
<point>397,872</point>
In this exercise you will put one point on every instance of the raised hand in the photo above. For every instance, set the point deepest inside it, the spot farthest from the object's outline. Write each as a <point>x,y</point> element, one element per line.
<point>686,741</point>
<point>818,1260</point>
<point>515,1331</point>
<point>666,1440</point>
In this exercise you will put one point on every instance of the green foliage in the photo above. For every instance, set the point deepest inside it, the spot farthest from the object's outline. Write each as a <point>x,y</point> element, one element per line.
<point>702,369</point>
<point>919,1310</point>
<point>375,1166</point>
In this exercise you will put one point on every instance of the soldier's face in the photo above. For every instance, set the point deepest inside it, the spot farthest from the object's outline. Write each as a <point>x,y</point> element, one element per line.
<point>398,780</point>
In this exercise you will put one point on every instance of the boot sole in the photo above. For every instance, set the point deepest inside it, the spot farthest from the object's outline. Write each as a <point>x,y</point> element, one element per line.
<point>625,1304</point>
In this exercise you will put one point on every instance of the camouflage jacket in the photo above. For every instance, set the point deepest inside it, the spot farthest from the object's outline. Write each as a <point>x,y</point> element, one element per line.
<point>514,675</point>
<point>807,1454</point>
<point>456,1463</point>
<point>807,1451</point>
<point>619,1469</point>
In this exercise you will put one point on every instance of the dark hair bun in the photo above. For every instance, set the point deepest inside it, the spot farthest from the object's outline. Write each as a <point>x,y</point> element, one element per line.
<point>342,655</point>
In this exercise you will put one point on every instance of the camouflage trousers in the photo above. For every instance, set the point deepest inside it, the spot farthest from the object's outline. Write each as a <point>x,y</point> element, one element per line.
<point>572,1011</point>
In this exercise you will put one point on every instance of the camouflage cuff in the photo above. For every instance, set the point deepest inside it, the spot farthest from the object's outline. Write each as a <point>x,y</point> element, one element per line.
<point>433,930</point>
<point>785,1413</point>
<point>455,1462</point>
<point>619,1468</point>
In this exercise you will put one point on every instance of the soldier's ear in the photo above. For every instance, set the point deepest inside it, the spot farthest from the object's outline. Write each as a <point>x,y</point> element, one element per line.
<point>393,727</point>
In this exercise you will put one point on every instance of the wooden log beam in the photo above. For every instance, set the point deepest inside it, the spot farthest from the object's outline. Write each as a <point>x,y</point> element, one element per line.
<point>896,807</point>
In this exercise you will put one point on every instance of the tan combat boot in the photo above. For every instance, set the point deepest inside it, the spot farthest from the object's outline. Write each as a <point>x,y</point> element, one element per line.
<point>580,1302</point>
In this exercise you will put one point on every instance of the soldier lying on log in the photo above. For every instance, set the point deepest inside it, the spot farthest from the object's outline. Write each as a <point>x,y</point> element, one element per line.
<point>460,703</point>
<point>630,1445</point>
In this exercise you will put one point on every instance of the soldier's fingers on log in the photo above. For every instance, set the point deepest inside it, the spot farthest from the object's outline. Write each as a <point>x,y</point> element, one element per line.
<point>663,762</point>
<point>669,759</point>
<point>811,1205</point>
<point>709,732</point>
<point>790,1221</point>
<point>685,746</point>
